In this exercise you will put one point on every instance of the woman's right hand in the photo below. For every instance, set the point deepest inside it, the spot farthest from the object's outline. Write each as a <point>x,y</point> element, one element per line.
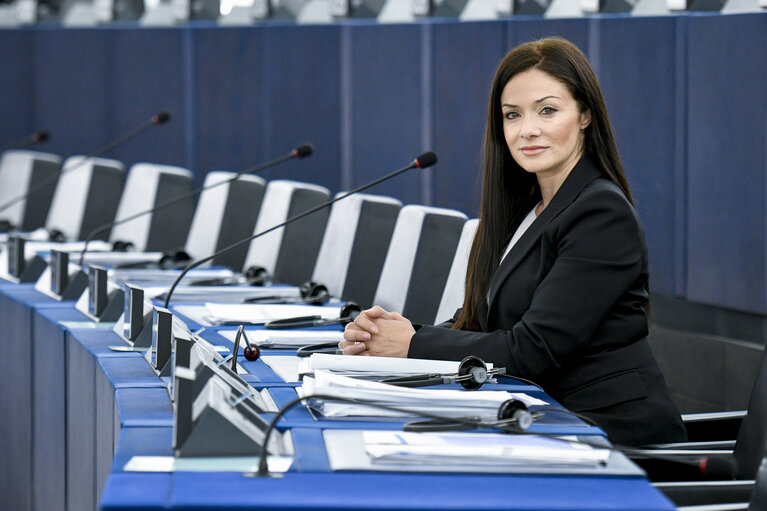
<point>361,330</point>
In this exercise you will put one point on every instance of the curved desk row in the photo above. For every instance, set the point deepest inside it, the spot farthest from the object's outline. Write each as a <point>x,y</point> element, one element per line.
<point>74,412</point>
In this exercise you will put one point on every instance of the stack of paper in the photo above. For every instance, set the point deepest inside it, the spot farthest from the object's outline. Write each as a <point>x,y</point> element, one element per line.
<point>375,367</point>
<point>257,314</point>
<point>444,403</point>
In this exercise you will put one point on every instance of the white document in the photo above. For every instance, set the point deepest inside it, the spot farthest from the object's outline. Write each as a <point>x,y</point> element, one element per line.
<point>286,367</point>
<point>443,402</point>
<point>478,449</point>
<point>257,313</point>
<point>160,277</point>
<point>227,464</point>
<point>285,338</point>
<point>377,366</point>
<point>220,294</point>
<point>471,452</point>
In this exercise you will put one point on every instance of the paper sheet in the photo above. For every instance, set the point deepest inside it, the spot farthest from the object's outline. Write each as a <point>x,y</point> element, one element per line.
<point>286,367</point>
<point>521,454</point>
<point>384,366</point>
<point>257,313</point>
<point>228,464</point>
<point>285,338</point>
<point>478,449</point>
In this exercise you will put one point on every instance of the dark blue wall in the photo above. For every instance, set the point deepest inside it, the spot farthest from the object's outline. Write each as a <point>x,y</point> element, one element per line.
<point>687,96</point>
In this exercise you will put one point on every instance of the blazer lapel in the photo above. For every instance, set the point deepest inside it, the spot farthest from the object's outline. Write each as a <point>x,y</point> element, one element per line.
<point>582,174</point>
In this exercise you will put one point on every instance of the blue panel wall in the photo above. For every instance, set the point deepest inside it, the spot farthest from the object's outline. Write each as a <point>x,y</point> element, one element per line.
<point>636,91</point>
<point>384,97</point>
<point>686,95</point>
<point>17,81</point>
<point>727,109</point>
<point>72,88</point>
<point>461,87</point>
<point>227,98</point>
<point>141,82</point>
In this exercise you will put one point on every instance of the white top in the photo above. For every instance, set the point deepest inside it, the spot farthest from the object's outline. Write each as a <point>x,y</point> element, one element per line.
<point>527,222</point>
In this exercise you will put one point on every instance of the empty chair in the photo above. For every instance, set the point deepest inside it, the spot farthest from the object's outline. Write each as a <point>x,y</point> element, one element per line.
<point>418,261</point>
<point>148,185</point>
<point>21,171</point>
<point>288,254</point>
<point>354,247</point>
<point>742,463</point>
<point>224,215</point>
<point>452,296</point>
<point>86,196</point>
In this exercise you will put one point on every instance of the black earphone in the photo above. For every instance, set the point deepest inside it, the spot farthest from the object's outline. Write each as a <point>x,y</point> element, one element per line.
<point>6,226</point>
<point>347,314</point>
<point>512,414</point>
<point>256,276</point>
<point>122,246</point>
<point>55,235</point>
<point>472,374</point>
<point>312,293</point>
<point>178,258</point>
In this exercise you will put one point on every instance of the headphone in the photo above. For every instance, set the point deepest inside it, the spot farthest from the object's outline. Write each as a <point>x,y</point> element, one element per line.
<point>256,276</point>
<point>512,414</point>
<point>174,259</point>
<point>122,246</point>
<point>472,373</point>
<point>6,226</point>
<point>348,312</point>
<point>55,235</point>
<point>312,293</point>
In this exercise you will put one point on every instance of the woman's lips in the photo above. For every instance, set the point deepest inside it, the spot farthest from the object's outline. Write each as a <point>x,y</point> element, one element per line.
<point>532,150</point>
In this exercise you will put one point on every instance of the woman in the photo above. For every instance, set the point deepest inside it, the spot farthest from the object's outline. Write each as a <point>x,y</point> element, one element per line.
<point>556,287</point>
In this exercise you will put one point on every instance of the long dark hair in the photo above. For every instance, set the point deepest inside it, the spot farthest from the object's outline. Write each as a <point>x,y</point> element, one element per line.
<point>508,192</point>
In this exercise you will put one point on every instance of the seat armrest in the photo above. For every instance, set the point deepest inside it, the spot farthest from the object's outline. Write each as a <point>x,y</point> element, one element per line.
<point>704,427</point>
<point>681,464</point>
<point>707,492</point>
<point>715,445</point>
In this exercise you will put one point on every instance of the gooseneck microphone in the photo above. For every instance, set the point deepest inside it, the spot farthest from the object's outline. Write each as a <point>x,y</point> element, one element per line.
<point>156,120</point>
<point>301,151</point>
<point>37,137</point>
<point>423,161</point>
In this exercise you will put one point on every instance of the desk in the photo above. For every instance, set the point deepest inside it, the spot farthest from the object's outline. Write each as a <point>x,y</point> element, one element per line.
<point>111,406</point>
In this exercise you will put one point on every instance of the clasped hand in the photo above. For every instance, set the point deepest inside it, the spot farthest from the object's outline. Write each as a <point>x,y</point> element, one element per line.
<point>378,332</point>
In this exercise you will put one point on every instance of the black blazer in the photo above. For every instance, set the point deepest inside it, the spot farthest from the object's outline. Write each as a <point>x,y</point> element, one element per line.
<point>566,309</point>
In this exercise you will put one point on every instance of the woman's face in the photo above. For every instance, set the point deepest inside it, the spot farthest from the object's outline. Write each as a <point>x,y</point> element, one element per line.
<point>542,124</point>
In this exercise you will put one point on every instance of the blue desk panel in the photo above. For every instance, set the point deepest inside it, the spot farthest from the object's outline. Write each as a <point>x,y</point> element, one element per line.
<point>84,349</point>
<point>16,390</point>
<point>113,375</point>
<point>386,491</point>
<point>49,406</point>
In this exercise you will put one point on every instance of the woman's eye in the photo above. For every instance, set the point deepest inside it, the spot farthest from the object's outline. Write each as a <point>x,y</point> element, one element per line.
<point>547,110</point>
<point>510,115</point>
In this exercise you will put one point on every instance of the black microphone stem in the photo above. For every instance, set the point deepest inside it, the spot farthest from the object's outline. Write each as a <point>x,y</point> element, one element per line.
<point>171,202</point>
<point>156,120</point>
<point>240,243</point>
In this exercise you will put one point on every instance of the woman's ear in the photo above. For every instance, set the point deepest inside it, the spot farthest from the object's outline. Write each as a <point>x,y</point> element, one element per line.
<point>585,119</point>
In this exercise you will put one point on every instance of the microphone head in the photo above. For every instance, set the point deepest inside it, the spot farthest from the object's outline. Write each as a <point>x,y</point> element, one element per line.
<point>161,117</point>
<point>303,150</point>
<point>427,159</point>
<point>40,136</point>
